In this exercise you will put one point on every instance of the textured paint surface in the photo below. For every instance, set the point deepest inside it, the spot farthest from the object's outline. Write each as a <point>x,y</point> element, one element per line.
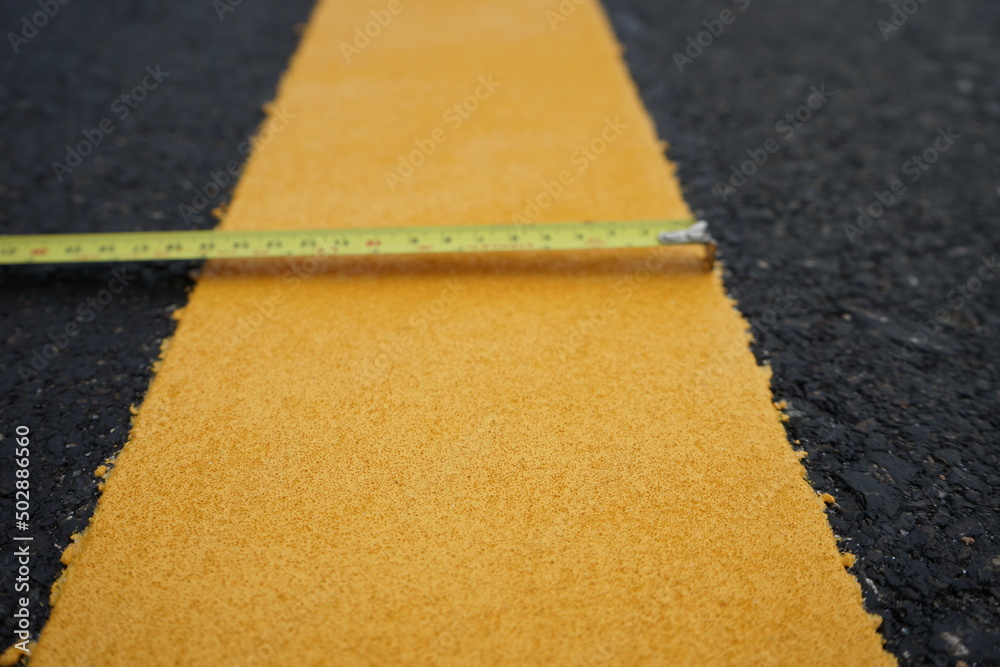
<point>520,459</point>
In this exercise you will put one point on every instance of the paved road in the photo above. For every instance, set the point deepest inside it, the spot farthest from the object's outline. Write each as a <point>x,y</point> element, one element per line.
<point>899,413</point>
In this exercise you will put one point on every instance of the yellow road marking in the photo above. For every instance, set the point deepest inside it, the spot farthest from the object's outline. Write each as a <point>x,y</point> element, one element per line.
<point>522,459</point>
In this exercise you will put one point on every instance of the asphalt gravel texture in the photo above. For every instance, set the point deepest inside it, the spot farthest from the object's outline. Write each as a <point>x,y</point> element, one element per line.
<point>784,117</point>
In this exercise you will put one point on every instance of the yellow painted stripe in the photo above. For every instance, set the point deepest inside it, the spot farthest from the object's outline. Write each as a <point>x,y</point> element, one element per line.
<point>518,459</point>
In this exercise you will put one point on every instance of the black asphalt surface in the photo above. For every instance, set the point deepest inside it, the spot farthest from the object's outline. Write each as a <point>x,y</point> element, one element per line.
<point>785,119</point>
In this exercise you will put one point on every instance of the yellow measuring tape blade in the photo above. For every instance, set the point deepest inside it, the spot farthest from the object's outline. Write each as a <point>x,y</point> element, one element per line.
<point>177,245</point>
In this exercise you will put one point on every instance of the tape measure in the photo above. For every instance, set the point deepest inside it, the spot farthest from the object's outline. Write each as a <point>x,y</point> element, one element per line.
<point>180,245</point>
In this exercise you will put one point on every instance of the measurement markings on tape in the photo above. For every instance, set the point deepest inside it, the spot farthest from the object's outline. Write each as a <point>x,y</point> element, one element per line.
<point>181,245</point>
